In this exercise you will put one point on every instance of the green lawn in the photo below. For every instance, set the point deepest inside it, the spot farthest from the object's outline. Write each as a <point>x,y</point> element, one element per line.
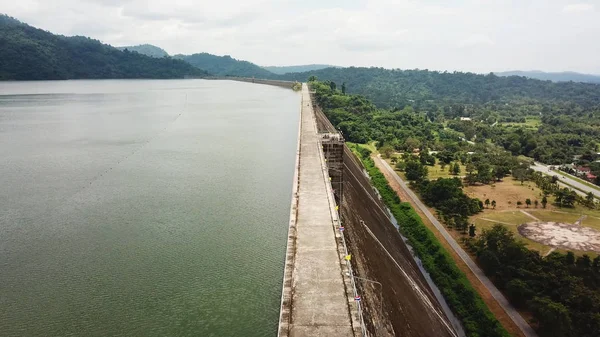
<point>435,172</point>
<point>512,217</point>
<point>530,123</point>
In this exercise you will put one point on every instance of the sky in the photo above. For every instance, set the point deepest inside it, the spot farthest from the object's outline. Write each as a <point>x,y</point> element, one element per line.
<point>463,35</point>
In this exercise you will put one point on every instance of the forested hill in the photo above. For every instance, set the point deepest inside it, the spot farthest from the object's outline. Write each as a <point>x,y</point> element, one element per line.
<point>29,53</point>
<point>564,76</point>
<point>146,49</point>
<point>226,66</point>
<point>401,87</point>
<point>296,69</point>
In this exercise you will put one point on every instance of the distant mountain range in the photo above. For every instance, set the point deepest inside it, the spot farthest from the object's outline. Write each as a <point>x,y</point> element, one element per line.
<point>147,49</point>
<point>297,69</point>
<point>29,53</point>
<point>225,65</point>
<point>554,77</point>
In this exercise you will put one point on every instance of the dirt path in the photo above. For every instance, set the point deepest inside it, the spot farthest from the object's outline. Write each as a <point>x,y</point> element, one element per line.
<point>529,215</point>
<point>499,306</point>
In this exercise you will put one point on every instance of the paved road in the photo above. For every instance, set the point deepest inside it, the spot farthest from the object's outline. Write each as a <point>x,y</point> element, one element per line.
<point>510,310</point>
<point>546,170</point>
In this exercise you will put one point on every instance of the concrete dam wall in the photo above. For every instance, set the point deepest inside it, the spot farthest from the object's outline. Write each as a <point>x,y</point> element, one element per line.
<point>401,303</point>
<point>284,84</point>
<point>319,285</point>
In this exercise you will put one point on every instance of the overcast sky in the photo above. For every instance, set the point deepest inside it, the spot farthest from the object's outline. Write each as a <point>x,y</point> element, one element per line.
<point>467,35</point>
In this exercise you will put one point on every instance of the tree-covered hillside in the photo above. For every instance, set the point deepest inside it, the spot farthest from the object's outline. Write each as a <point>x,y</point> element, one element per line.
<point>565,76</point>
<point>296,69</point>
<point>398,88</point>
<point>146,49</point>
<point>226,66</point>
<point>29,53</point>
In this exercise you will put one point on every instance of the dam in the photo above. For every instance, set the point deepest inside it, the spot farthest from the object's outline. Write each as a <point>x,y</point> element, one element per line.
<point>348,272</point>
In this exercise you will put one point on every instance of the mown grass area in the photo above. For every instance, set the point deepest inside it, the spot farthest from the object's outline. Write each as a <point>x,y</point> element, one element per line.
<point>530,123</point>
<point>435,172</point>
<point>465,302</point>
<point>512,217</point>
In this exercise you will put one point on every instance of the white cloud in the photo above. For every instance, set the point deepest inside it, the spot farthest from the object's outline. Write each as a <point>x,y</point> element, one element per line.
<point>576,8</point>
<point>472,35</point>
<point>476,40</point>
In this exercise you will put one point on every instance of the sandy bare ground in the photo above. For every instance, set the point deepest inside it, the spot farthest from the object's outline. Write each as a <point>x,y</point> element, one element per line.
<point>562,235</point>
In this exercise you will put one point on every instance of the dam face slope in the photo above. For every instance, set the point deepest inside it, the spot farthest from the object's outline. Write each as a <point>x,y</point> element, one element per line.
<point>315,301</point>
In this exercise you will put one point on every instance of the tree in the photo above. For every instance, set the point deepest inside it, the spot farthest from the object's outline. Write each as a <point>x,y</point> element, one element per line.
<point>470,167</point>
<point>536,203</point>
<point>487,203</point>
<point>312,78</point>
<point>519,203</point>
<point>415,171</point>
<point>518,292</point>
<point>565,197</point>
<point>520,174</point>
<point>484,173</point>
<point>494,204</point>
<point>332,85</point>
<point>589,198</point>
<point>343,88</point>
<point>544,201</point>
<point>472,230</point>
<point>528,202</point>
<point>456,169</point>
<point>386,151</point>
<point>553,317</point>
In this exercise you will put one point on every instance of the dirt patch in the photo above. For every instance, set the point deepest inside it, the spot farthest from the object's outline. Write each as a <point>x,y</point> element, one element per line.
<point>506,191</point>
<point>562,235</point>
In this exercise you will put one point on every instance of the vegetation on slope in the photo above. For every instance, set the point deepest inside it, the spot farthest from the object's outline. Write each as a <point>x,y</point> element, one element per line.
<point>564,76</point>
<point>464,301</point>
<point>28,53</point>
<point>226,66</point>
<point>399,88</point>
<point>146,49</point>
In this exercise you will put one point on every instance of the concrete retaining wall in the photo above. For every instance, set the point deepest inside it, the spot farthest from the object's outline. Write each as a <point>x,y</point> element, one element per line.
<point>284,84</point>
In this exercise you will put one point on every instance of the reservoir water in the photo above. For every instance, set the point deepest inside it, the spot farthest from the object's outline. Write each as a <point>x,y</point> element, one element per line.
<point>144,208</point>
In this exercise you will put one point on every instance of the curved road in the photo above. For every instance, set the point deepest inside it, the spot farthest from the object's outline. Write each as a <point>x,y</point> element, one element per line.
<point>502,301</point>
<point>579,187</point>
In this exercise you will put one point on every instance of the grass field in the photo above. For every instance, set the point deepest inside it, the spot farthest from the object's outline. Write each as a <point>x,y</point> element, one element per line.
<point>530,123</point>
<point>513,216</point>
<point>435,172</point>
<point>506,193</point>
